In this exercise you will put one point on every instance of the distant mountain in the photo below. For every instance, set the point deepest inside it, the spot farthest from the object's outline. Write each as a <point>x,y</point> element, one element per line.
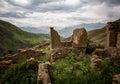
<point>66,32</point>
<point>98,35</point>
<point>12,38</point>
<point>41,30</point>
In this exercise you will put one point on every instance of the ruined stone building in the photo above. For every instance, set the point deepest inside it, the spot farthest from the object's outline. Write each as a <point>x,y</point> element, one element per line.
<point>76,45</point>
<point>113,34</point>
<point>112,51</point>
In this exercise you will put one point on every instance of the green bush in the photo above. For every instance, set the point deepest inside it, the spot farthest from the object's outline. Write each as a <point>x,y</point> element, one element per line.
<point>24,73</point>
<point>91,46</point>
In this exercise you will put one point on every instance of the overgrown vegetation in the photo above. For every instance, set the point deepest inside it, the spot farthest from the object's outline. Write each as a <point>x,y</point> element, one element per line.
<point>92,45</point>
<point>24,73</point>
<point>70,70</point>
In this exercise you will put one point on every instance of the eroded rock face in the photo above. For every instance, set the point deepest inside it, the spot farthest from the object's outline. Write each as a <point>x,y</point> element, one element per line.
<point>43,73</point>
<point>79,38</point>
<point>55,39</point>
<point>116,79</point>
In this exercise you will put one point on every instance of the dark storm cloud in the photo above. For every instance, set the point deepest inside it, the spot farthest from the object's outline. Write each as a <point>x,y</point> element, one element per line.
<point>32,3</point>
<point>45,6</point>
<point>108,2</point>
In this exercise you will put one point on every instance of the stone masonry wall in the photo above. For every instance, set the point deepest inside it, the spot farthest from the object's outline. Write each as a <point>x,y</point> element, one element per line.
<point>55,39</point>
<point>113,34</point>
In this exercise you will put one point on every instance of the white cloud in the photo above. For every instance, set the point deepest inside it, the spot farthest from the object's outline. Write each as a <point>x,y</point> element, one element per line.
<point>21,2</point>
<point>72,2</point>
<point>59,13</point>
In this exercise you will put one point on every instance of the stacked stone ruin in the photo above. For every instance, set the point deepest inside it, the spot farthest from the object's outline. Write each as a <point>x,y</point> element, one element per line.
<point>76,45</point>
<point>112,50</point>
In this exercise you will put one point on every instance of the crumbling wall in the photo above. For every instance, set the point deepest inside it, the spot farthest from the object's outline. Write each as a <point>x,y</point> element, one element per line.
<point>112,51</point>
<point>113,34</point>
<point>66,44</point>
<point>43,73</point>
<point>77,45</point>
<point>79,38</point>
<point>118,40</point>
<point>55,39</point>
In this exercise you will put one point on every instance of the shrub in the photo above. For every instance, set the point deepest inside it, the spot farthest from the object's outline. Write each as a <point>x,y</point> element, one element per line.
<point>24,73</point>
<point>91,46</point>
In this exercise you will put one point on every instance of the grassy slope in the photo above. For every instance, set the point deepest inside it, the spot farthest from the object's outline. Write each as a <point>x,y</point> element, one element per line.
<point>11,38</point>
<point>98,35</point>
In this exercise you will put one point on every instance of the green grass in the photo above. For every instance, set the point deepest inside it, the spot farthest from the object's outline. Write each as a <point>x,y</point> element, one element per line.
<point>65,71</point>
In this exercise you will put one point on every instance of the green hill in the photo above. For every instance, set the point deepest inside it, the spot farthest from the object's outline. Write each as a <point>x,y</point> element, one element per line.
<point>98,35</point>
<point>12,38</point>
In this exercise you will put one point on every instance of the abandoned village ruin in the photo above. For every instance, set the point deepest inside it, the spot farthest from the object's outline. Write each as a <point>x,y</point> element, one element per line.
<point>76,45</point>
<point>112,49</point>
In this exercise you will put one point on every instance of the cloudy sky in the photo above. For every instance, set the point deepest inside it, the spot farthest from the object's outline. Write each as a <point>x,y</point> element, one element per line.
<point>58,13</point>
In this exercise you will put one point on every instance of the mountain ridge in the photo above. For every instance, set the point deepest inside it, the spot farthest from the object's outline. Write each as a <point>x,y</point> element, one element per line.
<point>13,38</point>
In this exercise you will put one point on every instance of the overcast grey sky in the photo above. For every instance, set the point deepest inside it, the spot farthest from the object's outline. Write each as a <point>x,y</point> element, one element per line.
<point>59,13</point>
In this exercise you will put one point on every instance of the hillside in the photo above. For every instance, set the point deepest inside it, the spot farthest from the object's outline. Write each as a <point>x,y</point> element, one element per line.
<point>98,35</point>
<point>12,38</point>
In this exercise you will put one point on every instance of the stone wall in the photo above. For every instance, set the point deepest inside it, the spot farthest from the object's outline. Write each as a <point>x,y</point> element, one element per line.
<point>113,34</point>
<point>77,45</point>
<point>112,51</point>
<point>79,38</point>
<point>55,39</point>
<point>118,40</point>
<point>43,73</point>
<point>66,44</point>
